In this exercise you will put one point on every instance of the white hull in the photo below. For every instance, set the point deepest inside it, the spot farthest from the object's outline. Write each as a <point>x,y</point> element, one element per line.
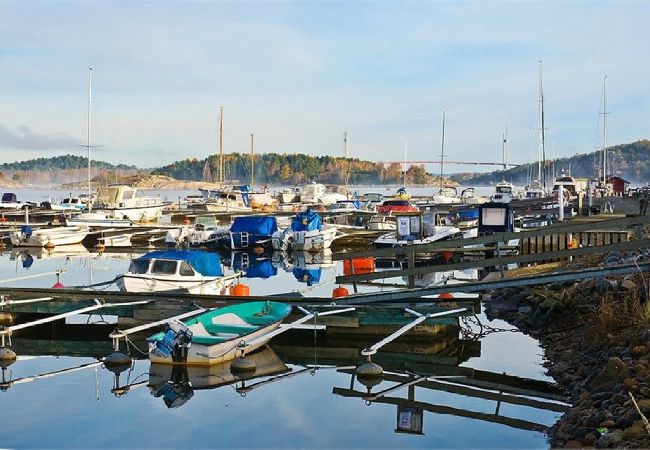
<point>135,214</point>
<point>198,284</point>
<point>50,236</point>
<point>203,355</point>
<point>305,241</point>
<point>98,220</point>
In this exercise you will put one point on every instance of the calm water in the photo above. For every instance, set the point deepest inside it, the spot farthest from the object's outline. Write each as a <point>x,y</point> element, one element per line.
<point>77,408</point>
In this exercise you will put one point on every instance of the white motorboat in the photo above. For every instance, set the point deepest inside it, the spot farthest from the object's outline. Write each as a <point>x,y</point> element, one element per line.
<point>305,234</point>
<point>195,272</point>
<point>312,193</point>
<point>504,192</point>
<point>469,197</point>
<point>334,194</point>
<point>446,196</point>
<point>234,199</point>
<point>382,222</point>
<point>417,229</point>
<point>10,201</point>
<point>98,220</point>
<point>68,204</point>
<point>49,237</point>
<point>126,202</point>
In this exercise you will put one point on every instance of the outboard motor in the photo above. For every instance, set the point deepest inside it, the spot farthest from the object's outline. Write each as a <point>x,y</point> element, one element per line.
<point>175,342</point>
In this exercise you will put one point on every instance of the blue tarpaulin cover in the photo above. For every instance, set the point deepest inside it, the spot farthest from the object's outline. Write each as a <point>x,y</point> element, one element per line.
<point>465,214</point>
<point>306,221</point>
<point>260,225</point>
<point>309,276</point>
<point>207,264</point>
<point>255,268</point>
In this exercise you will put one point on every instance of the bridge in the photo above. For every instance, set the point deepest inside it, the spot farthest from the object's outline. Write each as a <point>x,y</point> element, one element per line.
<point>463,163</point>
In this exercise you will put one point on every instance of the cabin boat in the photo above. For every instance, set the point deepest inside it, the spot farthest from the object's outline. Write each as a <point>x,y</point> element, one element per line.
<point>233,199</point>
<point>417,229</point>
<point>534,191</point>
<point>344,206</point>
<point>250,231</point>
<point>49,237</point>
<point>126,202</point>
<point>463,218</point>
<point>568,183</point>
<point>312,193</point>
<point>396,206</point>
<point>288,196</point>
<point>504,192</point>
<point>382,222</point>
<point>195,272</point>
<point>306,234</point>
<point>68,204</point>
<point>446,196</point>
<point>468,196</point>
<point>215,336</point>
<point>334,194</point>
<point>10,201</point>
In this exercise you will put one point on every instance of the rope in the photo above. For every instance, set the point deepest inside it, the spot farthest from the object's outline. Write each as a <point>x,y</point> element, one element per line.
<point>221,355</point>
<point>129,341</point>
<point>105,283</point>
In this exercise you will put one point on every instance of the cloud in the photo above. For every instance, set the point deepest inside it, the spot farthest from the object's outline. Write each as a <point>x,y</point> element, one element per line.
<point>24,138</point>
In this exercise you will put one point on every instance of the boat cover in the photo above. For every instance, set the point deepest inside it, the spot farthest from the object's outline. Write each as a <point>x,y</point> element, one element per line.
<point>309,276</point>
<point>306,221</point>
<point>255,268</point>
<point>207,264</point>
<point>465,214</point>
<point>259,225</point>
<point>9,197</point>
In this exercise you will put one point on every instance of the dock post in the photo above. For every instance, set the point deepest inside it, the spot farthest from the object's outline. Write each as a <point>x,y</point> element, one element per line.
<point>26,215</point>
<point>560,202</point>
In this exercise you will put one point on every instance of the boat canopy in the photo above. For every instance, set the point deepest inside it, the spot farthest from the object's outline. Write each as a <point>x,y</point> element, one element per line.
<point>309,276</point>
<point>207,264</point>
<point>260,225</point>
<point>465,214</point>
<point>9,197</point>
<point>306,221</point>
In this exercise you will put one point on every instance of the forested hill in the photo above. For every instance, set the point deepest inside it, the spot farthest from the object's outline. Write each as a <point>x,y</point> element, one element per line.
<point>629,161</point>
<point>274,168</point>
<point>65,162</point>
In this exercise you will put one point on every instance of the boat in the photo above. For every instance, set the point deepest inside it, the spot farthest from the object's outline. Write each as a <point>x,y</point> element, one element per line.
<point>463,218</point>
<point>312,193</point>
<point>234,199</point>
<point>396,206</point>
<point>215,336</point>
<point>250,231</point>
<point>306,233</point>
<point>568,184</point>
<point>446,196</point>
<point>67,204</point>
<point>402,194</point>
<point>66,235</point>
<point>468,196</point>
<point>190,271</point>
<point>98,220</point>
<point>504,192</point>
<point>334,194</point>
<point>534,190</point>
<point>382,222</point>
<point>10,201</point>
<point>128,203</point>
<point>417,229</point>
<point>344,206</point>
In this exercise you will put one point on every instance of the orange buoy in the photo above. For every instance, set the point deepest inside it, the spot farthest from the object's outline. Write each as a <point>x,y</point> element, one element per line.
<point>357,266</point>
<point>340,292</point>
<point>240,290</point>
<point>446,296</point>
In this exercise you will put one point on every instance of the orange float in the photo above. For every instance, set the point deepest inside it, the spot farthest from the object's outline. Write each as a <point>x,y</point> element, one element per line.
<point>446,296</point>
<point>240,290</point>
<point>357,266</point>
<point>340,292</point>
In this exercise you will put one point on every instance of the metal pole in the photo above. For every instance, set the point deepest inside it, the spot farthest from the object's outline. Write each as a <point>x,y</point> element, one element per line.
<point>90,89</point>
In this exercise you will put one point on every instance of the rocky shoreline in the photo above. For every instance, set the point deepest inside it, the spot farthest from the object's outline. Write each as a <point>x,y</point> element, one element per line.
<point>596,339</point>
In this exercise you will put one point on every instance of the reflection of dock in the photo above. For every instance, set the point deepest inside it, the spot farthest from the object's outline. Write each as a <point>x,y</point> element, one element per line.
<point>502,389</point>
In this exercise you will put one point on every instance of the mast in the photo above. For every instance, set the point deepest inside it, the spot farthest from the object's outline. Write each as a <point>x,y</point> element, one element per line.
<point>604,130</point>
<point>345,144</point>
<point>252,161</point>
<point>90,89</point>
<point>542,164</point>
<point>505,149</point>
<point>405,148</point>
<point>442,152</point>
<point>221,146</point>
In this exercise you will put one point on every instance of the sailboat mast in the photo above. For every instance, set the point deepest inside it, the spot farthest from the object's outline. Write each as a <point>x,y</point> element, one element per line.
<point>345,144</point>
<point>442,152</point>
<point>405,148</point>
<point>90,89</point>
<point>505,150</point>
<point>252,160</point>
<point>221,146</point>
<point>604,130</point>
<point>542,129</point>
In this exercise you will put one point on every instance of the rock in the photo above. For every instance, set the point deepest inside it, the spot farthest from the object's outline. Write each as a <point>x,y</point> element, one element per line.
<point>644,405</point>
<point>615,437</point>
<point>608,424</point>
<point>591,422</point>
<point>628,285</point>
<point>636,431</point>
<point>525,310</point>
<point>573,444</point>
<point>611,373</point>
<point>590,440</point>
<point>629,383</point>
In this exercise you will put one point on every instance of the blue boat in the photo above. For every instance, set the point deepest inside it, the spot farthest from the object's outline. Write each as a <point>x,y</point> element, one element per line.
<point>251,231</point>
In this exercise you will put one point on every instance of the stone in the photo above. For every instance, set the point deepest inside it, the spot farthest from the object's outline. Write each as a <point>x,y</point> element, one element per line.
<point>628,285</point>
<point>573,444</point>
<point>590,440</point>
<point>615,437</point>
<point>525,310</point>
<point>629,383</point>
<point>611,373</point>
<point>644,405</point>
<point>638,350</point>
<point>608,424</point>
<point>636,431</point>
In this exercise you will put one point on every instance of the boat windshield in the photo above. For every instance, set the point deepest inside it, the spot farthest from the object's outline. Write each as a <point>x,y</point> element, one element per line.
<point>504,190</point>
<point>164,267</point>
<point>139,266</point>
<point>186,270</point>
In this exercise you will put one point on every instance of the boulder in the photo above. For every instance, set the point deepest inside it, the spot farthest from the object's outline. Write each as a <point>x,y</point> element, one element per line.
<point>611,373</point>
<point>628,285</point>
<point>636,431</point>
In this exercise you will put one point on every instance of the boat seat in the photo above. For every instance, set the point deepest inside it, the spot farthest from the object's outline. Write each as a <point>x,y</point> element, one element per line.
<point>234,330</point>
<point>228,319</point>
<point>198,329</point>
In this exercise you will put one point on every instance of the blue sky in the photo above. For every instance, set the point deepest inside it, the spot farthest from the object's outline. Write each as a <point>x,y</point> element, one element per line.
<point>298,73</point>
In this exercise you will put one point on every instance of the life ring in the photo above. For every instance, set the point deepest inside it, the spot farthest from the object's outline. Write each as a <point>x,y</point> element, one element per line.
<point>565,194</point>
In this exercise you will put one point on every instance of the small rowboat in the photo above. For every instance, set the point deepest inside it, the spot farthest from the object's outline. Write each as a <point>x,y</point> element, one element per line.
<point>218,335</point>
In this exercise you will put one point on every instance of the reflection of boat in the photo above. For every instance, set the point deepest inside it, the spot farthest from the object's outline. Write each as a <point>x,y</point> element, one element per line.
<point>252,265</point>
<point>42,237</point>
<point>176,383</point>
<point>306,267</point>
<point>177,270</point>
<point>305,234</point>
<point>213,337</point>
<point>44,253</point>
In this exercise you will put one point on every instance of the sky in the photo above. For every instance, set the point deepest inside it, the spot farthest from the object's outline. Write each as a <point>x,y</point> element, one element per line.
<point>297,74</point>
